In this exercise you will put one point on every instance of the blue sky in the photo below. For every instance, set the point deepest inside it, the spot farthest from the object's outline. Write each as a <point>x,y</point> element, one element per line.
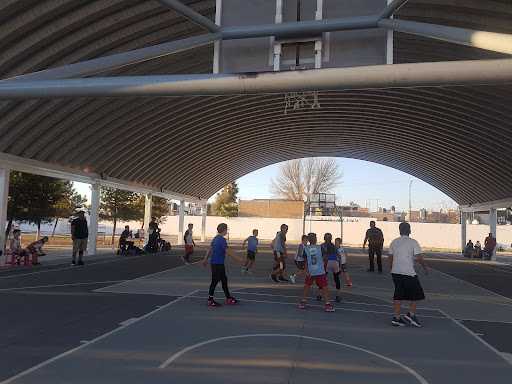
<point>362,181</point>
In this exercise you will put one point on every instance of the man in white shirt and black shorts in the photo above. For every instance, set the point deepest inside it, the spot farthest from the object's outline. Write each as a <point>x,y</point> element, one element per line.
<point>402,252</point>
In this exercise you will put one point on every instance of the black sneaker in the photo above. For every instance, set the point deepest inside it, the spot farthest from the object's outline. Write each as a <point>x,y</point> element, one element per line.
<point>274,279</point>
<point>73,262</point>
<point>369,270</point>
<point>412,319</point>
<point>338,299</point>
<point>398,322</point>
<point>213,303</point>
<point>319,298</point>
<point>380,272</point>
<point>281,278</point>
<point>80,262</point>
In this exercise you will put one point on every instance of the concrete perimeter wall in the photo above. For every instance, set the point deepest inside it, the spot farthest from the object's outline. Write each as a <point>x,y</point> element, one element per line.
<point>429,235</point>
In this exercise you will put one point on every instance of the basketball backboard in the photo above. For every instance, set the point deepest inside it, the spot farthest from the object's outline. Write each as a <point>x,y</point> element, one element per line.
<point>328,50</point>
<point>322,200</point>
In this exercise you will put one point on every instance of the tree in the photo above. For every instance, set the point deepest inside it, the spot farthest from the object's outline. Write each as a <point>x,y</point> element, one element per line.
<point>118,205</point>
<point>67,206</point>
<point>160,208</point>
<point>297,179</point>
<point>226,201</point>
<point>36,199</point>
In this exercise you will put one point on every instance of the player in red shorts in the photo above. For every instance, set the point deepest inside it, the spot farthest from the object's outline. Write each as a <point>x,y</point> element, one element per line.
<point>315,272</point>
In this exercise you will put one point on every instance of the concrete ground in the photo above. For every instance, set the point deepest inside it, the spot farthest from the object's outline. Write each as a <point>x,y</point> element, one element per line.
<point>143,317</point>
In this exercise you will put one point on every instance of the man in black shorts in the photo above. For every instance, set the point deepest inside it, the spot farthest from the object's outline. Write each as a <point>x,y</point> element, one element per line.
<point>402,252</point>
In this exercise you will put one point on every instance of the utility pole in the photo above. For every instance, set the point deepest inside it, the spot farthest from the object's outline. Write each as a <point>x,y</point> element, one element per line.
<point>410,211</point>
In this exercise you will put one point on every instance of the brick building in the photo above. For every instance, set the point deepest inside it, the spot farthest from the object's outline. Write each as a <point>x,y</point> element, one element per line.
<point>285,209</point>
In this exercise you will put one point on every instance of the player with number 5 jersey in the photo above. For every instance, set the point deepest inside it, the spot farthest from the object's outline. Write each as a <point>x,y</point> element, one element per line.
<point>315,272</point>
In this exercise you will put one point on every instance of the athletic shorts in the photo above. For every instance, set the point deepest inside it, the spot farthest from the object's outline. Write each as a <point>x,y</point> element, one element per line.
<point>343,267</point>
<point>333,266</point>
<point>279,258</point>
<point>79,245</point>
<point>407,288</point>
<point>251,255</point>
<point>300,264</point>
<point>320,280</point>
<point>189,249</point>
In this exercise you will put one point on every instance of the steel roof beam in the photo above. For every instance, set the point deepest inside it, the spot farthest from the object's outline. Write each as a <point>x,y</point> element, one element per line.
<point>22,164</point>
<point>300,28</point>
<point>472,72</point>
<point>498,42</point>
<point>90,67</point>
<point>504,203</point>
<point>190,14</point>
<point>391,9</point>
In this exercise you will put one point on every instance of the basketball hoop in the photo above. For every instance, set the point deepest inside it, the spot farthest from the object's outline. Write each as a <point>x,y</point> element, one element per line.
<point>301,100</point>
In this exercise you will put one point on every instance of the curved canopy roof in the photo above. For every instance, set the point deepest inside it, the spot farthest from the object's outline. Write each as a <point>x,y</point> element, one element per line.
<point>457,139</point>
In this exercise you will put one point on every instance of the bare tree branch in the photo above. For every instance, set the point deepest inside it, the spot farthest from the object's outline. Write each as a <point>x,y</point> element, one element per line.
<point>297,179</point>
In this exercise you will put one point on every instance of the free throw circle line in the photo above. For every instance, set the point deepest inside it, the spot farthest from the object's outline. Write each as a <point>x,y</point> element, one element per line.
<point>185,350</point>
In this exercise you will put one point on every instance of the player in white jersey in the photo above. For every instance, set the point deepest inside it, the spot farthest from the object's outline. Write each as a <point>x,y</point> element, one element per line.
<point>343,255</point>
<point>299,259</point>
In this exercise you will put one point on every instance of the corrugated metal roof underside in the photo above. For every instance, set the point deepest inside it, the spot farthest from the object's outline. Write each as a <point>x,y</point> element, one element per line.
<point>445,136</point>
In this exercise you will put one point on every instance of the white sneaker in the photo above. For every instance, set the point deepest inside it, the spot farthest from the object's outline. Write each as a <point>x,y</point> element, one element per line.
<point>249,272</point>
<point>243,270</point>
<point>292,278</point>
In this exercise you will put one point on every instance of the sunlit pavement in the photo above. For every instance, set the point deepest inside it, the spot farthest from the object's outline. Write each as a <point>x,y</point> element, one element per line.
<point>135,318</point>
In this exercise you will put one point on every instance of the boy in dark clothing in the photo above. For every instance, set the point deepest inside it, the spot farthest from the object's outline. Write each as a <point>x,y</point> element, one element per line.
<point>218,250</point>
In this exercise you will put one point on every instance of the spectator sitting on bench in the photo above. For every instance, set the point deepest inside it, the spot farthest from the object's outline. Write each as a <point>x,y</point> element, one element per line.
<point>468,251</point>
<point>35,248</point>
<point>15,246</point>
<point>477,251</point>
<point>122,240</point>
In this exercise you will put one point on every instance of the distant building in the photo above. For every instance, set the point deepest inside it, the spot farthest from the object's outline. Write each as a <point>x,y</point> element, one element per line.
<point>191,209</point>
<point>274,208</point>
<point>483,217</point>
<point>354,210</point>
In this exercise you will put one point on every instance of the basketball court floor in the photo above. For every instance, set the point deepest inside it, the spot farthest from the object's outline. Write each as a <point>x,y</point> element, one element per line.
<point>268,339</point>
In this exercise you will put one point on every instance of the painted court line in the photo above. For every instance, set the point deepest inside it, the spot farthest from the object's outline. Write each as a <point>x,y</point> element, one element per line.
<point>145,276</point>
<point>185,350</point>
<point>44,363</point>
<point>60,285</point>
<point>318,306</point>
<point>343,301</point>
<point>70,267</point>
<point>476,337</point>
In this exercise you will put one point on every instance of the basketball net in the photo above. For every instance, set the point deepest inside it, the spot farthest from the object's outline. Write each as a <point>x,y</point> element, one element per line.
<point>301,100</point>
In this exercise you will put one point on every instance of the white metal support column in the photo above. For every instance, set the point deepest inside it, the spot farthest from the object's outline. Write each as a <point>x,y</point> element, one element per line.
<point>147,213</point>
<point>389,43</point>
<point>463,224</point>
<point>93,219</point>
<point>493,218</point>
<point>181,221</point>
<point>203,223</point>
<point>4,193</point>
<point>216,44</point>
<point>319,43</point>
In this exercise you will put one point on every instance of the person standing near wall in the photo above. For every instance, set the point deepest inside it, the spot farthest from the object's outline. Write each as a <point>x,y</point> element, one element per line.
<point>189,244</point>
<point>402,252</point>
<point>375,240</point>
<point>490,243</point>
<point>79,235</point>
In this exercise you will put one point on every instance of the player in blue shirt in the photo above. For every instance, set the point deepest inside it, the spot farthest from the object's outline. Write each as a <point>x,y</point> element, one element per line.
<point>252,250</point>
<point>333,264</point>
<point>315,272</point>
<point>218,249</point>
